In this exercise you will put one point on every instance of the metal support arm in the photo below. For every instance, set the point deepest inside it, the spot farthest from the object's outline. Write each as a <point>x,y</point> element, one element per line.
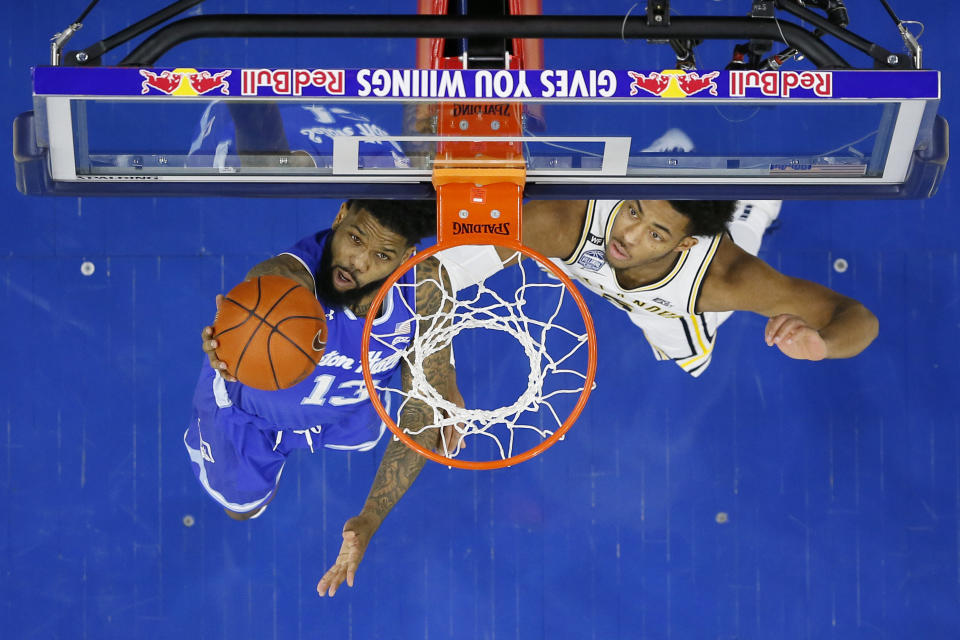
<point>417,26</point>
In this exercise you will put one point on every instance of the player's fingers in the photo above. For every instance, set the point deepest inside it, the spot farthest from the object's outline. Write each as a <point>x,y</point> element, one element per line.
<point>327,584</point>
<point>773,325</point>
<point>778,326</point>
<point>447,444</point>
<point>219,300</point>
<point>792,335</point>
<point>787,330</point>
<point>332,591</point>
<point>453,438</point>
<point>220,367</point>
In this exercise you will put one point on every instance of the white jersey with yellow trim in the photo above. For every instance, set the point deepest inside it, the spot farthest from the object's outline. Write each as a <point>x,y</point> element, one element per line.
<point>665,309</point>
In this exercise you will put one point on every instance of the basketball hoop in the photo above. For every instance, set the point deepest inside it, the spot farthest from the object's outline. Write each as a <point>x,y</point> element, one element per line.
<point>479,200</point>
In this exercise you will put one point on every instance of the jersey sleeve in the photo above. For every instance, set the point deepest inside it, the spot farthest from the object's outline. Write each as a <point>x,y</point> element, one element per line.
<point>309,250</point>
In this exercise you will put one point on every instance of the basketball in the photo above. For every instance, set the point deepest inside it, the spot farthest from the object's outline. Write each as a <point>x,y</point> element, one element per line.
<point>270,332</point>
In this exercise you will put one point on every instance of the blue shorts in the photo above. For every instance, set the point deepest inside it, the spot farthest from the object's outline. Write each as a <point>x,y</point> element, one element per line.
<point>238,457</point>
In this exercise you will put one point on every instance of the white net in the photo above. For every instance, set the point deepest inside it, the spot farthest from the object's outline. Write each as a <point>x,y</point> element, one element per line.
<point>524,306</point>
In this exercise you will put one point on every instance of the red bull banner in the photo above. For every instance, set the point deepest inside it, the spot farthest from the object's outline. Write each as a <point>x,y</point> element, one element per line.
<point>538,85</point>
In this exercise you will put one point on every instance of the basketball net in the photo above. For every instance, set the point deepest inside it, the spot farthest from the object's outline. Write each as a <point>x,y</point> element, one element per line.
<point>479,188</point>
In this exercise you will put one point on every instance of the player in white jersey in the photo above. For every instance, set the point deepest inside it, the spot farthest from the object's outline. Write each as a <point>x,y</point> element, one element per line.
<point>679,269</point>
<point>665,309</point>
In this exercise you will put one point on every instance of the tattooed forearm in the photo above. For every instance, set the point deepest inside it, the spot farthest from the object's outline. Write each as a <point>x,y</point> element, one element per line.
<point>401,465</point>
<point>399,468</point>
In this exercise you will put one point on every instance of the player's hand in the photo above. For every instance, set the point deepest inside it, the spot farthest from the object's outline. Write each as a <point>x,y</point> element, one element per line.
<point>356,536</point>
<point>452,438</point>
<point>795,338</point>
<point>210,348</point>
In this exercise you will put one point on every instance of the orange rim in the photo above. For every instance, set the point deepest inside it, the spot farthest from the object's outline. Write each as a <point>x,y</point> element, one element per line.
<point>472,464</point>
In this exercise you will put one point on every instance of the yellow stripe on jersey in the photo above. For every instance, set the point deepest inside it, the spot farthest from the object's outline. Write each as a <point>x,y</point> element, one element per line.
<point>704,267</point>
<point>706,346</point>
<point>667,278</point>
<point>584,233</point>
<point>613,216</point>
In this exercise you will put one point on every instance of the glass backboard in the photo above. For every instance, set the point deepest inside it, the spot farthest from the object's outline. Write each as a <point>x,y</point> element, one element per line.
<point>367,132</point>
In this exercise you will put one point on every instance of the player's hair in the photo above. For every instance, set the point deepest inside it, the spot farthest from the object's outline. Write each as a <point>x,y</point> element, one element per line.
<point>707,217</point>
<point>412,219</point>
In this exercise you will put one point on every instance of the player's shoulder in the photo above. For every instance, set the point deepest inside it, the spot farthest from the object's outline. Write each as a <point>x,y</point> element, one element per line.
<point>728,260</point>
<point>429,270</point>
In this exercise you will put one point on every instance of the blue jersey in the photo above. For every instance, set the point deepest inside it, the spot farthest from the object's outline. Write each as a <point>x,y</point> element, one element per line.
<point>332,404</point>
<point>307,127</point>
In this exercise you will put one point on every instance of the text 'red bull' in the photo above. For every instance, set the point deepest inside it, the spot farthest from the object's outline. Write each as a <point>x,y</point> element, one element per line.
<point>288,82</point>
<point>781,83</point>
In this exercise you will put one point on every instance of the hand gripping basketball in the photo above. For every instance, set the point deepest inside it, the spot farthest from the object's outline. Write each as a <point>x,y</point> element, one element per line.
<point>270,332</point>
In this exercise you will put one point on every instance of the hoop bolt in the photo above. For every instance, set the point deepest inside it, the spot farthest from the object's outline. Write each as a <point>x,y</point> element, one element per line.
<point>464,213</point>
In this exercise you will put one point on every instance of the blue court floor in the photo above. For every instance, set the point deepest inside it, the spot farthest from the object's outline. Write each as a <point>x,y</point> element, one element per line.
<point>768,499</point>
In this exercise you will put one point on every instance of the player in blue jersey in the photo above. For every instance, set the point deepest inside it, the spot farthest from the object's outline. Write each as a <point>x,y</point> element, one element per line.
<point>231,134</point>
<point>239,438</point>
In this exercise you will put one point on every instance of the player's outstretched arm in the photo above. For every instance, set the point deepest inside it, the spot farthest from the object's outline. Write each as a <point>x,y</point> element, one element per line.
<point>282,265</point>
<point>400,465</point>
<point>807,321</point>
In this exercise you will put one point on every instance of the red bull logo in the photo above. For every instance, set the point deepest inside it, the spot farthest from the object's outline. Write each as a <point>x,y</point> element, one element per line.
<point>291,82</point>
<point>781,83</point>
<point>673,83</point>
<point>184,82</point>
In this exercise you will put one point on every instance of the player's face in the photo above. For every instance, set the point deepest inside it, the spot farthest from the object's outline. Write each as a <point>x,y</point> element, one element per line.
<point>645,232</point>
<point>363,252</point>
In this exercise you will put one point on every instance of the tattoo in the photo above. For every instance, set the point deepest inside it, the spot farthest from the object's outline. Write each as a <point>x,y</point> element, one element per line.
<point>360,309</point>
<point>401,465</point>
<point>285,266</point>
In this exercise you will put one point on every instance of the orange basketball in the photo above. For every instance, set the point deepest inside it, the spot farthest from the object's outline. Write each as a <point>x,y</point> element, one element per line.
<point>270,332</point>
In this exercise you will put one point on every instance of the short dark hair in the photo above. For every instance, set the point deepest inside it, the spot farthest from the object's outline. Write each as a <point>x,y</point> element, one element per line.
<point>412,219</point>
<point>707,217</point>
